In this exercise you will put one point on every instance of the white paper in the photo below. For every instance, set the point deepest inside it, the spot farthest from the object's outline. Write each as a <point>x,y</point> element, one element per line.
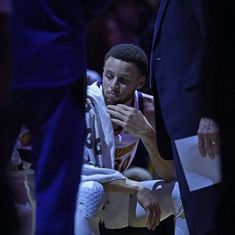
<point>200,172</point>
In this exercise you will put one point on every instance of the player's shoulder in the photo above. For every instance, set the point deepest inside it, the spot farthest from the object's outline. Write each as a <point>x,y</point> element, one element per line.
<point>149,112</point>
<point>148,102</point>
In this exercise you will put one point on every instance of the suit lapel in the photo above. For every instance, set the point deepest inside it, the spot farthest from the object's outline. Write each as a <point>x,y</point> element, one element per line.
<point>158,21</point>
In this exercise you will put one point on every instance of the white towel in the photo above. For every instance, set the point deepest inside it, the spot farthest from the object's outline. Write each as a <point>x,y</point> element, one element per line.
<point>99,153</point>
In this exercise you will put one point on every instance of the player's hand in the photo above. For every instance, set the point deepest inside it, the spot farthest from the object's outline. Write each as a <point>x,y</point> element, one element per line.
<point>150,203</point>
<point>208,138</point>
<point>130,119</point>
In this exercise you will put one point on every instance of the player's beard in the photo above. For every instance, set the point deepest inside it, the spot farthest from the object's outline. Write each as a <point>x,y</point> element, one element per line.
<point>127,100</point>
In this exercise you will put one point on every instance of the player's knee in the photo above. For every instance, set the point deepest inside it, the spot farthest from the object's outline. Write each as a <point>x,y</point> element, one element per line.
<point>90,200</point>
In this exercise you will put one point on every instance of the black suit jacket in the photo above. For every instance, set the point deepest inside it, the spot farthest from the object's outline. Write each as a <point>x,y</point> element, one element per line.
<point>185,68</point>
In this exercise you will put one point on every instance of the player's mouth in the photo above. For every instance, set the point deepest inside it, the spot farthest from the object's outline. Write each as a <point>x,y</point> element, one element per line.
<point>112,94</point>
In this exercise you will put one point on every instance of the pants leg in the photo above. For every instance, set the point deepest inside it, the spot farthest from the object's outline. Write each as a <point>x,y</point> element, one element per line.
<point>56,119</point>
<point>200,205</point>
<point>59,148</point>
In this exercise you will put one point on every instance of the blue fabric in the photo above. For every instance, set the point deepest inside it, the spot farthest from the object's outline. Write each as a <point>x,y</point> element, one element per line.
<point>48,41</point>
<point>56,121</point>
<point>48,71</point>
<point>180,63</point>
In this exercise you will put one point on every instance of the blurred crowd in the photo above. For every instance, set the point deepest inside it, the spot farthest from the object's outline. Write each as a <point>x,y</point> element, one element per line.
<point>128,21</point>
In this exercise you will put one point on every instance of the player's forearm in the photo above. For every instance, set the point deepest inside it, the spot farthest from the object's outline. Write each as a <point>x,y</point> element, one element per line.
<point>124,186</point>
<point>164,168</point>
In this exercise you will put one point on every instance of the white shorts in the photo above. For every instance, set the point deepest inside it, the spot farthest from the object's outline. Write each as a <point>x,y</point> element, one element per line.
<point>120,210</point>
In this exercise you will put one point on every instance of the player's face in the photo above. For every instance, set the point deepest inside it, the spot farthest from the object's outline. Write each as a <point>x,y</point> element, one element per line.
<point>120,80</point>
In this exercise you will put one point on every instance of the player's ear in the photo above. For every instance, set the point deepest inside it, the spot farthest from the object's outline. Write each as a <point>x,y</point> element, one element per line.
<point>141,82</point>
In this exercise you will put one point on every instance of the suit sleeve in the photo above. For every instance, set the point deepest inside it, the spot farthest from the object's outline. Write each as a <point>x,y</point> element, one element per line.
<point>208,17</point>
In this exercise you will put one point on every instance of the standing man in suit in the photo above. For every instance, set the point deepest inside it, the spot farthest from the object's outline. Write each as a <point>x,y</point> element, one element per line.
<point>48,86</point>
<point>187,81</point>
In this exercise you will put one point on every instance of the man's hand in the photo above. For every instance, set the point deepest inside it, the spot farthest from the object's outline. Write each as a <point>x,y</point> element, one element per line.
<point>208,138</point>
<point>130,119</point>
<point>150,203</point>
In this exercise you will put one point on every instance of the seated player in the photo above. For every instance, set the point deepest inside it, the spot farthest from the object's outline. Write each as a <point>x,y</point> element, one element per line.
<point>117,118</point>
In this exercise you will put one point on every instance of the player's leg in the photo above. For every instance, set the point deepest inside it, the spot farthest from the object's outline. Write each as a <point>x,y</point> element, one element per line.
<point>90,202</point>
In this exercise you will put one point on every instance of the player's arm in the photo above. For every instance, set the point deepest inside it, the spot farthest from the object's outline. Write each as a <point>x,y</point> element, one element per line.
<point>164,168</point>
<point>142,126</point>
<point>124,186</point>
<point>145,197</point>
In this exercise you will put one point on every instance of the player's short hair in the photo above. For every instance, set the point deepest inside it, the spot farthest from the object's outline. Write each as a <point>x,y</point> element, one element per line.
<point>130,53</point>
